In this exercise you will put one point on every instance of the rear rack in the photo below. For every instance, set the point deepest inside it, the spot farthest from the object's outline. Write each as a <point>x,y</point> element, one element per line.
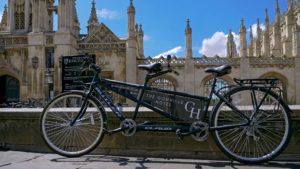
<point>270,82</point>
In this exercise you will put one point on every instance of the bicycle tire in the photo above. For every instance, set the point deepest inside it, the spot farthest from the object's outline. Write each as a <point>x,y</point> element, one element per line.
<point>79,139</point>
<point>262,140</point>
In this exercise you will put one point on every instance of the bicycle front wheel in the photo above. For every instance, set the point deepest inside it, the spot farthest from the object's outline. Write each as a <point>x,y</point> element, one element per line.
<point>264,138</point>
<point>80,138</point>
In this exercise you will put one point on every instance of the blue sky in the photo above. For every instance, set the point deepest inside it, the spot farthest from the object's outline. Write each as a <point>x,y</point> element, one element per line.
<point>164,21</point>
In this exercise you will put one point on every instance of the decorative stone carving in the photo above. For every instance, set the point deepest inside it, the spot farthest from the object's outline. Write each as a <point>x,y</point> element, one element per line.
<point>272,61</point>
<point>103,46</point>
<point>35,62</point>
<point>174,61</point>
<point>216,61</point>
<point>49,40</point>
<point>102,34</point>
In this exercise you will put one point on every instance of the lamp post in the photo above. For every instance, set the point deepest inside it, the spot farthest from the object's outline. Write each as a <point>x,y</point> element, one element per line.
<point>49,81</point>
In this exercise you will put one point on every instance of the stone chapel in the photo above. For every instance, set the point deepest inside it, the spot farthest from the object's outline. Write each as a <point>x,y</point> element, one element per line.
<point>30,49</point>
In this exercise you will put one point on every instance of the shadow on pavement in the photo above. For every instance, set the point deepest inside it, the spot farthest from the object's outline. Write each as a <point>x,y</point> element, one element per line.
<point>122,161</point>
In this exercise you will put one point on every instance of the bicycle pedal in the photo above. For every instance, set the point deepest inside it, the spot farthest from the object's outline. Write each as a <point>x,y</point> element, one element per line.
<point>179,134</point>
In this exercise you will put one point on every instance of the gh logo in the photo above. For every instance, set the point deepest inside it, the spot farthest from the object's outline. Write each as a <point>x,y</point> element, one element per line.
<point>190,107</point>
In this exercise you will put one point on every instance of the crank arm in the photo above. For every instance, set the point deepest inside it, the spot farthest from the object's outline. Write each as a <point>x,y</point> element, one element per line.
<point>110,132</point>
<point>180,135</point>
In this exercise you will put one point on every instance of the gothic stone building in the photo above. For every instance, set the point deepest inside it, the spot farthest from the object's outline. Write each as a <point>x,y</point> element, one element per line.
<point>29,48</point>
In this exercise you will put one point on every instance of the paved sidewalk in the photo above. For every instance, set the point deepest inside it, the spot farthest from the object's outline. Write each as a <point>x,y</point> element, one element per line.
<point>25,160</point>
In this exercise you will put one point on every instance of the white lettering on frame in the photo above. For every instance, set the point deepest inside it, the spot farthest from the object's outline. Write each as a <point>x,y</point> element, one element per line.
<point>190,107</point>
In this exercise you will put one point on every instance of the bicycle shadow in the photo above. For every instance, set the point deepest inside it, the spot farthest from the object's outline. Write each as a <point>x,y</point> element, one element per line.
<point>199,164</point>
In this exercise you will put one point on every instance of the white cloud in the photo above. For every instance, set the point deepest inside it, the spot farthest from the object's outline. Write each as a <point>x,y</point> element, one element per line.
<point>108,14</point>
<point>254,29</point>
<point>171,52</point>
<point>216,45</point>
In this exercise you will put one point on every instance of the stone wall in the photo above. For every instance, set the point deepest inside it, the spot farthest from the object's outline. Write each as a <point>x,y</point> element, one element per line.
<point>19,130</point>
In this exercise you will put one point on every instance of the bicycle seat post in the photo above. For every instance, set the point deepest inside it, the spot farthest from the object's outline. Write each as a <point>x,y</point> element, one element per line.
<point>141,96</point>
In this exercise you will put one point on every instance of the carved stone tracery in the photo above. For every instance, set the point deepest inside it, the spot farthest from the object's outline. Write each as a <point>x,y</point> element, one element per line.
<point>102,35</point>
<point>19,15</point>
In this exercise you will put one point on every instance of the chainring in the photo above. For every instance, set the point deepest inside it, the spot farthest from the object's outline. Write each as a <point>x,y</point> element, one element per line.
<point>202,134</point>
<point>132,127</point>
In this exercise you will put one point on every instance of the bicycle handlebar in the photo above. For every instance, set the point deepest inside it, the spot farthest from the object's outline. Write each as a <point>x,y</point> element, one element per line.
<point>98,69</point>
<point>88,60</point>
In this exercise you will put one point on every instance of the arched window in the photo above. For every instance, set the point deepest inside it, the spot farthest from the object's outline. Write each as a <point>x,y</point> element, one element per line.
<point>281,83</point>
<point>162,83</point>
<point>280,90</point>
<point>220,84</point>
<point>17,23</point>
<point>9,89</point>
<point>20,16</point>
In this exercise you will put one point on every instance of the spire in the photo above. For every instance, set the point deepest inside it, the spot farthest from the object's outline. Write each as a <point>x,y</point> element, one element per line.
<point>141,42</point>
<point>242,27</point>
<point>276,45</point>
<point>131,8</point>
<point>3,23</point>
<point>267,18</point>
<point>258,40</point>
<point>131,20</point>
<point>231,46</point>
<point>188,41</point>
<point>277,13</point>
<point>188,29</point>
<point>93,16</point>
<point>250,50</point>
<point>267,24</point>
<point>251,34</point>
<point>131,46</point>
<point>266,37</point>
<point>258,30</point>
<point>93,21</point>
<point>290,4</point>
<point>243,40</point>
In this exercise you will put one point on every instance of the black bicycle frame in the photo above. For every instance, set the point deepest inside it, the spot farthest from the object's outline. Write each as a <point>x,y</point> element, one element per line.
<point>106,83</point>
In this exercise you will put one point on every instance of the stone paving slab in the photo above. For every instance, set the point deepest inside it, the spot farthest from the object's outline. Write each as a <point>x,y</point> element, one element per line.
<point>26,160</point>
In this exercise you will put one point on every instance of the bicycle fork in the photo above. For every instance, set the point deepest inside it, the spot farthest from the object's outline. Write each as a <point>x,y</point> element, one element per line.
<point>81,111</point>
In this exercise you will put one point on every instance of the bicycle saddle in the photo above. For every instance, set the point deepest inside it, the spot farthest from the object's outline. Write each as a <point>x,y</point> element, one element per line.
<point>153,67</point>
<point>219,71</point>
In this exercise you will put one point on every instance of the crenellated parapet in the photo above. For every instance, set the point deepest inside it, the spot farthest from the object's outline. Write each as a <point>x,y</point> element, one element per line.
<point>279,62</point>
<point>216,61</point>
<point>177,62</point>
<point>201,61</point>
<point>204,61</point>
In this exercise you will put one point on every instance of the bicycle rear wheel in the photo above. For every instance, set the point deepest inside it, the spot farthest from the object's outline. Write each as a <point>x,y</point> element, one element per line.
<point>264,138</point>
<point>80,138</point>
